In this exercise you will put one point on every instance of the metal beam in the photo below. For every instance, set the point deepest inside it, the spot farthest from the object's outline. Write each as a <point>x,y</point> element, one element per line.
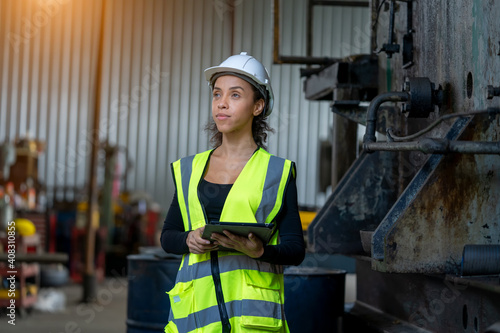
<point>341,3</point>
<point>437,146</point>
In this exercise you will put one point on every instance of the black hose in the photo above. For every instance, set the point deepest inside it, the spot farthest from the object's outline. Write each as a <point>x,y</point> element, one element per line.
<point>371,114</point>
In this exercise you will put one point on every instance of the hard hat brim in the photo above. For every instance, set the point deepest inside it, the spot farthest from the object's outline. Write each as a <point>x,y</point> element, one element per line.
<point>211,71</point>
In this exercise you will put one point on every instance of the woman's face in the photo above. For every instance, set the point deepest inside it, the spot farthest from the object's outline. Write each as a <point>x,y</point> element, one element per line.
<point>233,105</point>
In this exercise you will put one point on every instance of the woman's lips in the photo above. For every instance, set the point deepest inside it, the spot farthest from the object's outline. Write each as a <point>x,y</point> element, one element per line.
<point>221,116</point>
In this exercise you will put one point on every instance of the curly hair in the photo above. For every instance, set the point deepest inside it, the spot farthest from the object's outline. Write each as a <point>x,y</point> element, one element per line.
<point>260,126</point>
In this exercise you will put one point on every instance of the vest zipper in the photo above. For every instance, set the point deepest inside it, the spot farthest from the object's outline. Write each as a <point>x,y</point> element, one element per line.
<point>214,263</point>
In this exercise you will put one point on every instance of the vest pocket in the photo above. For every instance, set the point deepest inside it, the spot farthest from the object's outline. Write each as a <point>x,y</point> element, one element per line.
<point>182,299</point>
<point>261,301</point>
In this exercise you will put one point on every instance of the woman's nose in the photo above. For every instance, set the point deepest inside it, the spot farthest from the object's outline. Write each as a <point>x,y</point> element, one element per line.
<point>222,104</point>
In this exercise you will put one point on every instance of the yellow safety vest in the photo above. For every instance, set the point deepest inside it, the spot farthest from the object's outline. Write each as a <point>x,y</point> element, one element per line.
<point>221,288</point>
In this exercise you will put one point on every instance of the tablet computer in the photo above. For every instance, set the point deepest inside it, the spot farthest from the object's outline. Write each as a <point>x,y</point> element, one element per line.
<point>261,230</point>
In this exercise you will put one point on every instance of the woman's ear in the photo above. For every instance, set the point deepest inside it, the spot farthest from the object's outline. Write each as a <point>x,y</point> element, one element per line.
<point>259,107</point>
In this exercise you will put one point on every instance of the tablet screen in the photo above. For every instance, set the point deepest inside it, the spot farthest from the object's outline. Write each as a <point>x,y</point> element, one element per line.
<point>261,230</point>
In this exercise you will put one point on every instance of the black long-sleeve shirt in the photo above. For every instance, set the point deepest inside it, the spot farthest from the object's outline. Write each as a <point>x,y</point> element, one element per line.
<point>290,251</point>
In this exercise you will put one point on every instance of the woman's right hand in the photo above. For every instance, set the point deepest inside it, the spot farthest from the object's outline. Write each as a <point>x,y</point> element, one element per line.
<point>198,245</point>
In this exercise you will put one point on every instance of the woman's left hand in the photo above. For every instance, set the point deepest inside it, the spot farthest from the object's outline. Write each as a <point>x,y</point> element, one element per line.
<point>252,246</point>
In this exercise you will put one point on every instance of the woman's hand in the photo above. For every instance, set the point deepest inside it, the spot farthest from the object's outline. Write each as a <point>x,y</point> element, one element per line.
<point>252,246</point>
<point>198,245</point>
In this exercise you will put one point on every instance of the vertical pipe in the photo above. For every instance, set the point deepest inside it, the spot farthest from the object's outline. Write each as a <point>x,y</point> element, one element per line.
<point>233,20</point>
<point>276,32</point>
<point>309,28</point>
<point>373,26</point>
<point>391,22</point>
<point>89,280</point>
<point>371,113</point>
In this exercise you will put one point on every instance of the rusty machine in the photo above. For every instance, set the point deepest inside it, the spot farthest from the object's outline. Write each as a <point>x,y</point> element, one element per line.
<point>419,208</point>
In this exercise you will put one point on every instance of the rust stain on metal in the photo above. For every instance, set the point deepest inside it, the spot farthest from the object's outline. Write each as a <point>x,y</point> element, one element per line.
<point>453,209</point>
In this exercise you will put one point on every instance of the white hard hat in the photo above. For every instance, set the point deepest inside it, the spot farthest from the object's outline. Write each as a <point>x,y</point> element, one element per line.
<point>249,67</point>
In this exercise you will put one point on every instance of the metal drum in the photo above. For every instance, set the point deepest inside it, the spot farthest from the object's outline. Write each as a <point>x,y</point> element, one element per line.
<point>314,298</point>
<point>150,276</point>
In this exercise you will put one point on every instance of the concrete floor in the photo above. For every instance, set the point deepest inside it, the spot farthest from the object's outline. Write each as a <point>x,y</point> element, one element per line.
<point>107,315</point>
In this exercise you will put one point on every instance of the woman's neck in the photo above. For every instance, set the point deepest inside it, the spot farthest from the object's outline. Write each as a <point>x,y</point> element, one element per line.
<point>236,148</point>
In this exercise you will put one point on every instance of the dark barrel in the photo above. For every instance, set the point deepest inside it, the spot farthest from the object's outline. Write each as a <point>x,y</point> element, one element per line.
<point>314,298</point>
<point>149,277</point>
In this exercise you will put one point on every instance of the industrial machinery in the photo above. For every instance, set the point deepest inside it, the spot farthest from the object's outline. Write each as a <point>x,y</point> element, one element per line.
<point>419,207</point>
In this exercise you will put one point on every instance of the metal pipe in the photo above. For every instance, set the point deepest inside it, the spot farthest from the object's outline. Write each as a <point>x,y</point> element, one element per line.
<point>89,282</point>
<point>276,31</point>
<point>391,26</point>
<point>306,60</point>
<point>371,114</point>
<point>309,28</point>
<point>474,147</point>
<point>341,3</point>
<point>392,137</point>
<point>436,146</point>
<point>373,25</point>
<point>480,259</point>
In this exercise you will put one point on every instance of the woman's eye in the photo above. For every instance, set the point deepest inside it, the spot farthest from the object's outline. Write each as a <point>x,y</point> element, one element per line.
<point>216,95</point>
<point>236,95</point>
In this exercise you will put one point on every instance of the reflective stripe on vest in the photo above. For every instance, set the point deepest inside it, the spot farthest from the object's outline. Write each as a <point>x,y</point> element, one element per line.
<point>211,315</point>
<point>227,263</point>
<point>253,290</point>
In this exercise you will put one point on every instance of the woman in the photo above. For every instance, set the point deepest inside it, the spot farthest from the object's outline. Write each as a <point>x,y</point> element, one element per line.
<point>240,290</point>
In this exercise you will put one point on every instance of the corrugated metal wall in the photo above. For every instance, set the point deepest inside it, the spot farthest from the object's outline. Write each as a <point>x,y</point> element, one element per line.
<point>48,61</point>
<point>154,93</point>
<point>155,101</point>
